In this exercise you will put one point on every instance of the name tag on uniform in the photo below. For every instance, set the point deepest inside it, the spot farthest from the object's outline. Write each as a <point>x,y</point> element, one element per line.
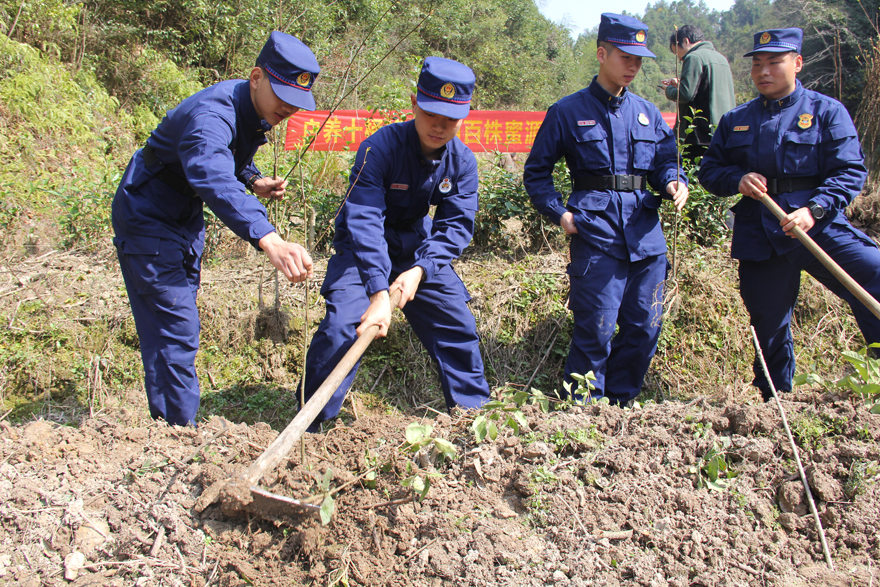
<point>586,123</point>
<point>399,186</point>
<point>740,128</point>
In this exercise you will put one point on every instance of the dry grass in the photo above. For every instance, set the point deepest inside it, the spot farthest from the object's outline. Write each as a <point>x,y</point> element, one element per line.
<point>72,309</point>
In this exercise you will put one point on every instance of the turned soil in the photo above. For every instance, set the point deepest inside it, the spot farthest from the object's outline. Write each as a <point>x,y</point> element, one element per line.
<point>618,506</point>
<point>581,496</point>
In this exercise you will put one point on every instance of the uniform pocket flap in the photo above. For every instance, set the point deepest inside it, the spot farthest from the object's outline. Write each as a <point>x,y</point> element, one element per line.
<point>584,134</point>
<point>578,266</point>
<point>745,207</point>
<point>141,245</point>
<point>739,139</point>
<point>652,201</point>
<point>801,138</point>
<point>841,131</point>
<point>592,201</point>
<point>644,133</point>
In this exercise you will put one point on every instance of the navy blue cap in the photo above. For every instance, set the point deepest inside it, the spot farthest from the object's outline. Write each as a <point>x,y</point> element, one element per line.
<point>626,33</point>
<point>292,69</point>
<point>445,87</point>
<point>777,41</point>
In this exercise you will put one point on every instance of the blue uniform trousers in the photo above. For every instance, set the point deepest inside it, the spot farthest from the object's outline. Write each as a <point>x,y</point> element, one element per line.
<point>769,290</point>
<point>607,291</point>
<point>438,315</point>
<point>162,280</point>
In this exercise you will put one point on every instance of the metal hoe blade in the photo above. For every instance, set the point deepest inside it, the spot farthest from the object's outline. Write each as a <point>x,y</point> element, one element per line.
<point>266,503</point>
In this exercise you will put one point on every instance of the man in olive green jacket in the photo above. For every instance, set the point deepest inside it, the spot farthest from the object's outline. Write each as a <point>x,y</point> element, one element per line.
<point>704,92</point>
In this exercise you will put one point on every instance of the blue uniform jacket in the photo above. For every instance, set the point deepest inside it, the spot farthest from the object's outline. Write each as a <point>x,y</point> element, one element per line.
<point>210,139</point>
<point>803,134</point>
<point>601,134</point>
<point>385,223</point>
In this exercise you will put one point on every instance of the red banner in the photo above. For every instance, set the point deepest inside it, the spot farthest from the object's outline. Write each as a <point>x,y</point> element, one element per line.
<point>482,130</point>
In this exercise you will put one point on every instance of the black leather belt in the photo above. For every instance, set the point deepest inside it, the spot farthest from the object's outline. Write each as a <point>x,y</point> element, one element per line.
<point>619,183</point>
<point>177,182</point>
<point>792,184</point>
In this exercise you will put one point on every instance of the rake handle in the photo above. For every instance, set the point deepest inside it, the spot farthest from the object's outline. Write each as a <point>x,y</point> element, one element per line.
<point>823,257</point>
<point>285,441</point>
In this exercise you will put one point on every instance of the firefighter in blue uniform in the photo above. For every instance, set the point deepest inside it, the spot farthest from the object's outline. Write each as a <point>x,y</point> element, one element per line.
<point>386,241</point>
<point>615,144</point>
<point>202,153</point>
<point>801,148</point>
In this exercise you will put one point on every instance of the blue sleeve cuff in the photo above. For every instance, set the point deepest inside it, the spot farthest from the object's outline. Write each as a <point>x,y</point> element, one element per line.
<point>734,184</point>
<point>826,202</point>
<point>555,213</point>
<point>375,285</point>
<point>670,177</point>
<point>258,230</point>
<point>428,267</point>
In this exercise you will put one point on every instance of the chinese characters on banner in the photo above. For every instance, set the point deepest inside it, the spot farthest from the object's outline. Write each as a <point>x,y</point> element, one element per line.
<point>482,130</point>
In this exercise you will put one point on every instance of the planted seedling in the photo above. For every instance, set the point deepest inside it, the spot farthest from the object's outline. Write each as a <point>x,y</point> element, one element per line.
<point>865,382</point>
<point>713,471</point>
<point>506,412</point>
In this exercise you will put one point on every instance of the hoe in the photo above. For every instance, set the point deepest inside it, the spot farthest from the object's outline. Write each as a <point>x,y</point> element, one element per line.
<point>243,493</point>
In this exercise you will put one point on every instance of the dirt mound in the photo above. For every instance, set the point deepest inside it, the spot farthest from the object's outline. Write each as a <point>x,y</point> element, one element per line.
<point>586,496</point>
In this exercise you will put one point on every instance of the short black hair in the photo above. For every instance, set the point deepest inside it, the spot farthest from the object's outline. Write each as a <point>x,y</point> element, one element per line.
<point>689,32</point>
<point>609,47</point>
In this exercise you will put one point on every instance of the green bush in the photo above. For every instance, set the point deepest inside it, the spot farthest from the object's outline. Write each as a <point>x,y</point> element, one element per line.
<point>503,197</point>
<point>61,131</point>
<point>703,220</point>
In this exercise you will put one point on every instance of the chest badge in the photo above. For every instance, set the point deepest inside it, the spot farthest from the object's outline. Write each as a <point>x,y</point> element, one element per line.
<point>399,186</point>
<point>445,185</point>
<point>586,123</point>
<point>643,119</point>
<point>805,121</point>
<point>741,128</point>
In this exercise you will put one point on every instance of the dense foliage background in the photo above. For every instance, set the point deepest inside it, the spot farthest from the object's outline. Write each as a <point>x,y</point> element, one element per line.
<point>82,83</point>
<point>150,53</point>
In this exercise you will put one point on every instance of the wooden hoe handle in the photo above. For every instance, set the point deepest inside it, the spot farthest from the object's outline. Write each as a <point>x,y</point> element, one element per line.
<point>835,269</point>
<point>297,427</point>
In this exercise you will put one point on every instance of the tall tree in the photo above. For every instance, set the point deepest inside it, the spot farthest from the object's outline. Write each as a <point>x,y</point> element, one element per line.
<point>835,48</point>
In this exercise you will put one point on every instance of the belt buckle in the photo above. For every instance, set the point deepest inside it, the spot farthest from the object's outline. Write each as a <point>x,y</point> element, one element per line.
<point>624,182</point>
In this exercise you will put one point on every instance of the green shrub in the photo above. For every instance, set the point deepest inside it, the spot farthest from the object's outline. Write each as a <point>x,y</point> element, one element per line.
<point>503,198</point>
